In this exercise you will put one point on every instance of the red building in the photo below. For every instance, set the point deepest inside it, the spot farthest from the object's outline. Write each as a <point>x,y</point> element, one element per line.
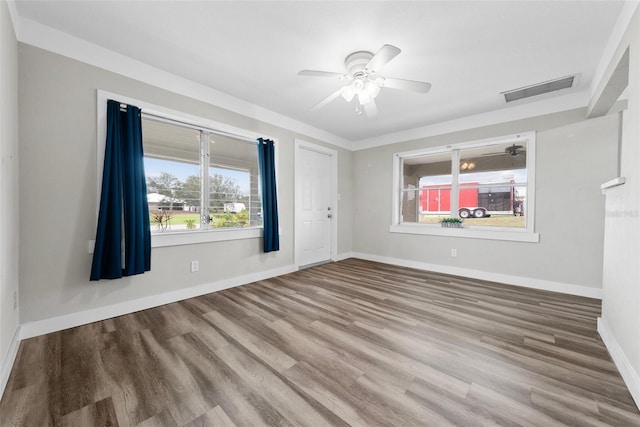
<point>498,197</point>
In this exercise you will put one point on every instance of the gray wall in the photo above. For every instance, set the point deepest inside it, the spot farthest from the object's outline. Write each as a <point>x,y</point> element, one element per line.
<point>58,187</point>
<point>9,218</point>
<point>574,157</point>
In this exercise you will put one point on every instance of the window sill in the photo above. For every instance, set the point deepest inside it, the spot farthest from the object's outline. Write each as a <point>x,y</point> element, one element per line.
<point>163,239</point>
<point>469,233</point>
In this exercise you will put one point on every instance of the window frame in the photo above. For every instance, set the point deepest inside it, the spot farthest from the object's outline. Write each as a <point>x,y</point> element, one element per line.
<point>186,237</point>
<point>526,234</point>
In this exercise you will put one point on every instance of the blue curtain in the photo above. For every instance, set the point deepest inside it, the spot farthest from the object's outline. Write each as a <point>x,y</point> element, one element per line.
<point>266,161</point>
<point>124,211</point>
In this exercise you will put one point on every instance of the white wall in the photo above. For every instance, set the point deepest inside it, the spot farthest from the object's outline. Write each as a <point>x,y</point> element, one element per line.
<point>620,323</point>
<point>58,194</point>
<point>574,156</point>
<point>9,218</point>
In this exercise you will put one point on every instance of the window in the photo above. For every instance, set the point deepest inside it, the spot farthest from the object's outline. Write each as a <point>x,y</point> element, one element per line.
<point>199,179</point>
<point>489,184</point>
<point>174,142</point>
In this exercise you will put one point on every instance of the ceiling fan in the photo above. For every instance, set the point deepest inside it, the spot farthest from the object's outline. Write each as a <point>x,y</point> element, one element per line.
<point>364,79</point>
<point>512,150</point>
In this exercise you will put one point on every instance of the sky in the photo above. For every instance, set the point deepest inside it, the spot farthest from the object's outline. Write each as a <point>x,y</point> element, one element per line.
<point>153,167</point>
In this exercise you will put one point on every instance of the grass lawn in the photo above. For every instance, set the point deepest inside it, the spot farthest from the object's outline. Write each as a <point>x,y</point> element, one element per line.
<point>493,220</point>
<point>181,218</point>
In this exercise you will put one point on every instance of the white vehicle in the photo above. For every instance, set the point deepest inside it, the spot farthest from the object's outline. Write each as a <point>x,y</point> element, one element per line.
<point>234,207</point>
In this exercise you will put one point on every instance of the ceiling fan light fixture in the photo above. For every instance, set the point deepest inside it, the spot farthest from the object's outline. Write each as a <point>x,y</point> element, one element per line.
<point>348,93</point>
<point>372,89</point>
<point>358,85</point>
<point>364,98</point>
<point>467,166</point>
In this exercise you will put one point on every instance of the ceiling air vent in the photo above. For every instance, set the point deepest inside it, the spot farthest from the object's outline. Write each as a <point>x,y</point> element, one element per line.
<point>538,89</point>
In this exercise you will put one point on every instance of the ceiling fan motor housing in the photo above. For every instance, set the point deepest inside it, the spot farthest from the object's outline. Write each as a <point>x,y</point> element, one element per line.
<point>356,61</point>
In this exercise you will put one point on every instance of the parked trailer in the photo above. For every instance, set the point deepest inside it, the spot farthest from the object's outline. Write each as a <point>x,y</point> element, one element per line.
<point>473,201</point>
<point>476,212</point>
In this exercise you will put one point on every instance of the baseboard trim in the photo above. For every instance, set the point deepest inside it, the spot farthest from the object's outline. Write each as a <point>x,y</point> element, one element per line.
<point>527,282</point>
<point>54,324</point>
<point>629,375</point>
<point>343,256</point>
<point>10,358</point>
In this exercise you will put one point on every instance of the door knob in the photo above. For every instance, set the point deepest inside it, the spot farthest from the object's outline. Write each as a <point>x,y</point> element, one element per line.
<point>329,216</point>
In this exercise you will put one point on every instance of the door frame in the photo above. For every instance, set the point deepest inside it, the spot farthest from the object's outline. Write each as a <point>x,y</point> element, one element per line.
<point>333,196</point>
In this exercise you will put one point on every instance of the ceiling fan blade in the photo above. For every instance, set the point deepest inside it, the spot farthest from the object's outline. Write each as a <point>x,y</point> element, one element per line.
<point>412,85</point>
<point>315,73</point>
<point>385,54</point>
<point>370,108</point>
<point>327,100</point>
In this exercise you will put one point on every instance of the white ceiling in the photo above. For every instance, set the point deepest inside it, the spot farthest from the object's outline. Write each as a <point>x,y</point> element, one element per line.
<point>470,51</point>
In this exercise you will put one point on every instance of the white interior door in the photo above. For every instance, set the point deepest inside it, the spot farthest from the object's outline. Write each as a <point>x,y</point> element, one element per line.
<point>314,210</point>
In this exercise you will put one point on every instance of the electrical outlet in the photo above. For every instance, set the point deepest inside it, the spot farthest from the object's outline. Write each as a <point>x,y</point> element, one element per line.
<point>195,266</point>
<point>15,300</point>
<point>454,253</point>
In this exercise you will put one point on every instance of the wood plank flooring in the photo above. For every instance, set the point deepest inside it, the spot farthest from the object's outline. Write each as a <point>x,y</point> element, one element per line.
<point>349,343</point>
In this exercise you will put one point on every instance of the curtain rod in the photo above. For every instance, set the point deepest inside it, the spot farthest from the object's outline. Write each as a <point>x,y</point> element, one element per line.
<point>162,119</point>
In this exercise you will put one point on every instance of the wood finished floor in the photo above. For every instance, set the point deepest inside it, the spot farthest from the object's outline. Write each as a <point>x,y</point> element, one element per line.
<point>350,343</point>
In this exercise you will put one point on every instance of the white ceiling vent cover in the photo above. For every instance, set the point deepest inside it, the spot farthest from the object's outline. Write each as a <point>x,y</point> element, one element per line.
<point>539,89</point>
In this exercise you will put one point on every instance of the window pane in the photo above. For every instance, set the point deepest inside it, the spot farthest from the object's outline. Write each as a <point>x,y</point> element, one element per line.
<point>171,161</point>
<point>234,199</point>
<point>427,188</point>
<point>493,185</point>
<point>435,199</point>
